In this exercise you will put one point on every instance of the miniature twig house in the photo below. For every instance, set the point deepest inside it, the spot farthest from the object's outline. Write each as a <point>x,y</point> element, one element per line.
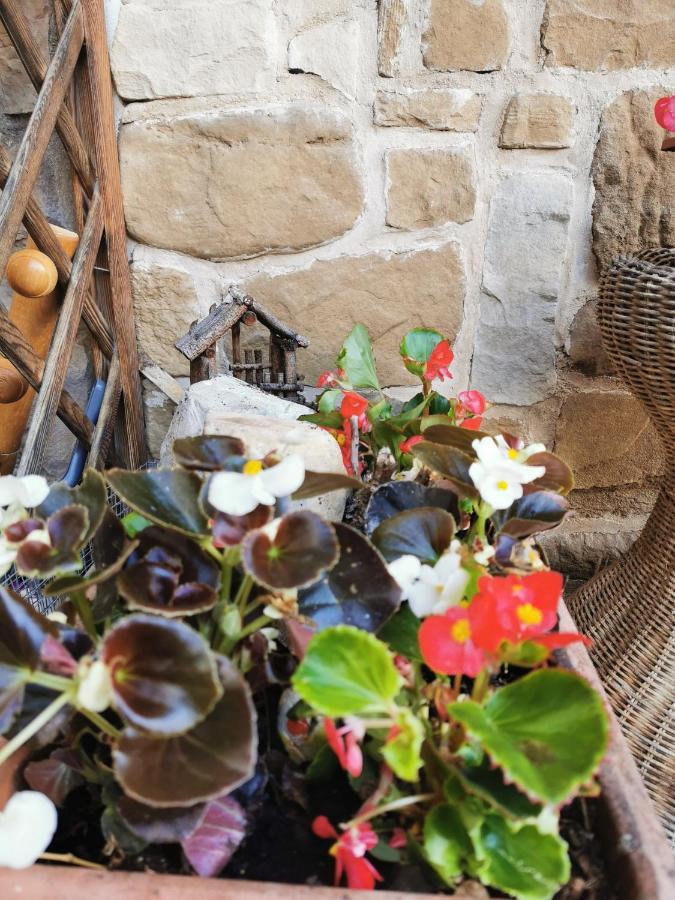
<point>277,374</point>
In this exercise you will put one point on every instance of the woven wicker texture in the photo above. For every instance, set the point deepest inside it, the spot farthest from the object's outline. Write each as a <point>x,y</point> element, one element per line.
<point>628,608</point>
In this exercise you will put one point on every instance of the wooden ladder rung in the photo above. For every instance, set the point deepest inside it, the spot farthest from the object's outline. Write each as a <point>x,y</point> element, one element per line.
<point>103,431</point>
<point>29,157</point>
<point>58,358</point>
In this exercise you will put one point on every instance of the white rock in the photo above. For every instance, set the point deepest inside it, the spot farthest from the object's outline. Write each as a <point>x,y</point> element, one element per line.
<point>331,51</point>
<point>191,48</point>
<point>514,359</point>
<point>226,405</point>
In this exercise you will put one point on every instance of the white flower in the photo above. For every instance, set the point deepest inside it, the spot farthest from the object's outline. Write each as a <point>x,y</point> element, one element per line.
<point>27,826</point>
<point>95,691</point>
<point>431,590</point>
<point>29,491</point>
<point>500,472</point>
<point>238,493</point>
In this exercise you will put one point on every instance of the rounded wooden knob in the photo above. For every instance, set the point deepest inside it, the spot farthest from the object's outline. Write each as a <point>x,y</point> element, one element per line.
<point>31,273</point>
<point>12,386</point>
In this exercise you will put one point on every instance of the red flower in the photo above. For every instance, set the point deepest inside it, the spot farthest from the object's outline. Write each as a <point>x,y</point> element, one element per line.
<point>297,727</point>
<point>518,608</point>
<point>471,401</point>
<point>344,439</point>
<point>447,643</point>
<point>665,113</point>
<point>344,742</point>
<point>439,361</point>
<point>407,445</point>
<point>350,850</point>
<point>329,379</point>
<point>472,424</point>
<point>398,839</point>
<point>355,405</point>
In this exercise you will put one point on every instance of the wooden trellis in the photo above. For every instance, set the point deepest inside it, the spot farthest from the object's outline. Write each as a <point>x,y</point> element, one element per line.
<point>75,99</point>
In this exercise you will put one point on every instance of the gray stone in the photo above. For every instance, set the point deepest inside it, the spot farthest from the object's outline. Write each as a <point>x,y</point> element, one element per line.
<point>217,182</point>
<point>436,109</point>
<point>191,48</point>
<point>17,94</point>
<point>514,359</point>
<point>580,547</point>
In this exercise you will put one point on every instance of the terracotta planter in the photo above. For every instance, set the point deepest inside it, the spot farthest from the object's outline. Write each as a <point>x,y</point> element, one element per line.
<point>639,862</point>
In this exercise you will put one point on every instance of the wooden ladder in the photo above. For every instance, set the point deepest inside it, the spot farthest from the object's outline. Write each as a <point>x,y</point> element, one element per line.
<point>75,99</point>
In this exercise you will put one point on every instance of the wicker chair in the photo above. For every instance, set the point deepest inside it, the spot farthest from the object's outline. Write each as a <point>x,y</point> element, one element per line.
<point>628,608</point>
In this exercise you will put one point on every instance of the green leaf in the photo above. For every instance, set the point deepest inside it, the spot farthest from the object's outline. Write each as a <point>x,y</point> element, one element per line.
<point>403,752</point>
<point>449,462</point>
<point>210,453</point>
<point>380,411</point>
<point>216,756</point>
<point>425,533</point>
<point>293,552</point>
<point>447,844</point>
<point>548,732</point>
<point>329,401</point>
<point>169,497</point>
<point>527,863</point>
<point>346,671</point>
<point>323,419</point>
<point>357,360</point>
<point>400,633</point>
<point>489,784</point>
<point>358,590</point>
<point>133,523</point>
<point>416,348</point>
<point>318,483</point>
<point>164,676</point>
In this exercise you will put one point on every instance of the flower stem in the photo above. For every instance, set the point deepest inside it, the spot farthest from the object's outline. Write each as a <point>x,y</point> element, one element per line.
<point>245,589</point>
<point>480,686</point>
<point>71,860</point>
<point>401,803</point>
<point>253,626</point>
<point>53,682</point>
<point>83,608</point>
<point>226,580</point>
<point>101,723</point>
<point>33,727</point>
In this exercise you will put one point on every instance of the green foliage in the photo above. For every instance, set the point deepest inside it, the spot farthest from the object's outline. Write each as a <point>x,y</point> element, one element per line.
<point>403,751</point>
<point>400,633</point>
<point>416,348</point>
<point>447,844</point>
<point>357,361</point>
<point>345,672</point>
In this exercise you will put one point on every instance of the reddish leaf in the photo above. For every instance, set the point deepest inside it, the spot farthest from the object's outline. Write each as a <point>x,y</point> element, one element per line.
<point>212,845</point>
<point>160,826</point>
<point>55,776</point>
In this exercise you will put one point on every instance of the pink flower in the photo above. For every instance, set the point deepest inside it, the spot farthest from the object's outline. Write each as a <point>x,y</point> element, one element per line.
<point>398,839</point>
<point>473,401</point>
<point>344,742</point>
<point>439,361</point>
<point>350,850</point>
<point>665,113</point>
<point>407,445</point>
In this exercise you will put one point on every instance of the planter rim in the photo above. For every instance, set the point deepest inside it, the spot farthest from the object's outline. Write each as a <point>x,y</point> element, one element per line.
<point>637,855</point>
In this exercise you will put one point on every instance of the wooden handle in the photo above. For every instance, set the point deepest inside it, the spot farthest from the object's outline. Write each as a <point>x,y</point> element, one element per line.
<point>31,273</point>
<point>12,386</point>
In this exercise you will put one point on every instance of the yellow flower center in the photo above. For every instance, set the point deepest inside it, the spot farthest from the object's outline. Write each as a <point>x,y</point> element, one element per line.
<point>512,454</point>
<point>502,485</point>
<point>340,439</point>
<point>529,615</point>
<point>461,631</point>
<point>253,467</point>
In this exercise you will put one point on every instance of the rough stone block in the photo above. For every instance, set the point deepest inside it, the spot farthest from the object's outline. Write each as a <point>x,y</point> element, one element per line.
<point>540,121</point>
<point>609,34</point>
<point>17,94</point>
<point>514,358</point>
<point>429,187</point>
<point>330,50</point>
<point>466,34</point>
<point>438,110</point>
<point>218,182</point>
<point>191,48</point>
<point>390,292</point>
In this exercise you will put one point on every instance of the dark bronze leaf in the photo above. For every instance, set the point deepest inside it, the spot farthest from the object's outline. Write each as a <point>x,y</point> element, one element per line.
<point>397,496</point>
<point>209,453</point>
<point>425,533</point>
<point>169,497</point>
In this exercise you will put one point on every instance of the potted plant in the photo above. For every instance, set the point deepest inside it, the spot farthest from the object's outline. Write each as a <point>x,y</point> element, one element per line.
<point>243,687</point>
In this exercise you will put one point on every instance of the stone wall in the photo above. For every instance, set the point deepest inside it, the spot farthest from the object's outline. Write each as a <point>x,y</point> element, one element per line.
<point>465,164</point>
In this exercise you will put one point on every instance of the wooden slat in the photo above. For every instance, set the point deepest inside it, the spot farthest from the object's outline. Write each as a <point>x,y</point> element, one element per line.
<point>103,431</point>
<point>107,164</point>
<point>38,228</point>
<point>29,157</point>
<point>30,55</point>
<point>58,359</point>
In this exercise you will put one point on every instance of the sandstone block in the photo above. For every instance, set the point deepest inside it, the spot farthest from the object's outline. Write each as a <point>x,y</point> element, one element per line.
<point>191,48</point>
<point>634,181</point>
<point>265,423</point>
<point>466,34</point>
<point>439,110</point>
<point>219,182</point>
<point>609,34</point>
<point>604,434</point>
<point>390,292</point>
<point>393,24</point>
<point>331,51</point>
<point>542,121</point>
<point>17,94</point>
<point>165,304</point>
<point>514,358</point>
<point>429,187</point>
